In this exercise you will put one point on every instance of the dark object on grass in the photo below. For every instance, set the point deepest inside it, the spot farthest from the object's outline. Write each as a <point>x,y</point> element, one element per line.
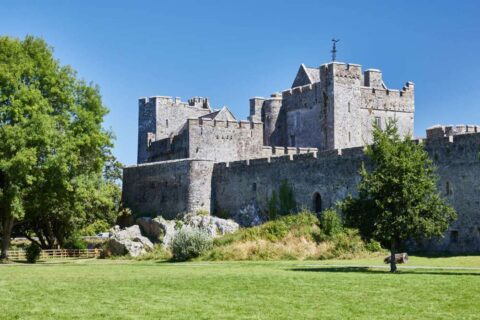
<point>33,253</point>
<point>399,258</point>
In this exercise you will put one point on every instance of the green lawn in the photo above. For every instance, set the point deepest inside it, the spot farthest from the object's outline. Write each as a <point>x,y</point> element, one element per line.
<point>123,289</point>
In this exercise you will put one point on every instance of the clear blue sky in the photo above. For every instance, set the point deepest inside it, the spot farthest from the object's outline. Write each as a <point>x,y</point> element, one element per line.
<point>233,50</point>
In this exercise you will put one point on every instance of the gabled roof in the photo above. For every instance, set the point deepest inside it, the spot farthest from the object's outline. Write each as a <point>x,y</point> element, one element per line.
<point>222,114</point>
<point>306,75</point>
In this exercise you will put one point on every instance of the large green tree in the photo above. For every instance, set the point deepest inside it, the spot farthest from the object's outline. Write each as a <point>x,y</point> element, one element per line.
<point>397,195</point>
<point>53,149</point>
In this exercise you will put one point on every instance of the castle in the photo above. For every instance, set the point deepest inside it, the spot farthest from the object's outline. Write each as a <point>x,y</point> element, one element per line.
<point>193,157</point>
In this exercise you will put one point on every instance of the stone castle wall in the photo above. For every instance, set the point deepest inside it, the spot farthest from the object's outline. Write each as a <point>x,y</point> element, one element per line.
<point>334,174</point>
<point>167,188</point>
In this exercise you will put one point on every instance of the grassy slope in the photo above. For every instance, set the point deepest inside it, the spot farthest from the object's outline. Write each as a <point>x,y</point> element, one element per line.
<point>238,290</point>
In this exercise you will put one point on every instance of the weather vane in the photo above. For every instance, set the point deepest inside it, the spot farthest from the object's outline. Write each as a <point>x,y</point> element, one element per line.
<point>334,49</point>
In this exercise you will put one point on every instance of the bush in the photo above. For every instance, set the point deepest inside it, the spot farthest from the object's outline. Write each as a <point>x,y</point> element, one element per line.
<point>75,242</point>
<point>374,246</point>
<point>281,203</point>
<point>32,253</point>
<point>330,222</point>
<point>190,243</point>
<point>95,228</point>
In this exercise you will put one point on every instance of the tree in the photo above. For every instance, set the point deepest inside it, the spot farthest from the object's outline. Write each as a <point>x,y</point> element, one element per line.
<point>397,196</point>
<point>53,149</point>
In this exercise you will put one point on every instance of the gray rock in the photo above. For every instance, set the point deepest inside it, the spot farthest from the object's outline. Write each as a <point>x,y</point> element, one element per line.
<point>167,228</point>
<point>150,228</point>
<point>163,231</point>
<point>249,216</point>
<point>128,241</point>
<point>213,225</point>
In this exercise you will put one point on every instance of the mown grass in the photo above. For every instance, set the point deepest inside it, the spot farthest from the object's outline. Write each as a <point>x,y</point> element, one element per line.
<point>116,289</point>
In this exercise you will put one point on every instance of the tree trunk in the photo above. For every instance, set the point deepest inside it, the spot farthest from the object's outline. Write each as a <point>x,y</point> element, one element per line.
<point>6,233</point>
<point>393,261</point>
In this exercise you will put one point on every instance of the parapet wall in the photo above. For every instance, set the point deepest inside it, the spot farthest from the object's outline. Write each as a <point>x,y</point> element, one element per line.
<point>388,99</point>
<point>450,130</point>
<point>224,140</point>
<point>334,174</point>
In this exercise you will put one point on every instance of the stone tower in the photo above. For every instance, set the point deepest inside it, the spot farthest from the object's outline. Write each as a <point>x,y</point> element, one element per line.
<point>333,106</point>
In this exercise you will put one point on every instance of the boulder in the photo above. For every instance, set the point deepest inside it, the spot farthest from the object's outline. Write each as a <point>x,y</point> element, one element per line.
<point>168,230</point>
<point>128,241</point>
<point>213,225</point>
<point>157,229</point>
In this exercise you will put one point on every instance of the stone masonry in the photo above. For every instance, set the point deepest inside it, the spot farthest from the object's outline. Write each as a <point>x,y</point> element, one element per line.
<point>192,157</point>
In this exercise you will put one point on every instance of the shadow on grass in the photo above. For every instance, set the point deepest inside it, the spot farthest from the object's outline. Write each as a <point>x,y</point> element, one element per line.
<point>425,254</point>
<point>384,271</point>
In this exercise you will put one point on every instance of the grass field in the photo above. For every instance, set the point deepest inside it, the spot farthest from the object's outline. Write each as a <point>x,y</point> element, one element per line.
<point>123,289</point>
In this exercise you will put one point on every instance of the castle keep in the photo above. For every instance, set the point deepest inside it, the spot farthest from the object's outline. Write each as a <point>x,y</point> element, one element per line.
<point>191,156</point>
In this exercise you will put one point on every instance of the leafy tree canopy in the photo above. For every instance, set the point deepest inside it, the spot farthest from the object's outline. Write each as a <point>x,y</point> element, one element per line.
<point>53,149</point>
<point>397,195</point>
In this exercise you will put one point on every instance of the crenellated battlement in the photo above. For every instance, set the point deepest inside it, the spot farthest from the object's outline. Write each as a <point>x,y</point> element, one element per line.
<point>287,155</point>
<point>196,102</point>
<point>297,90</point>
<point>440,131</point>
<point>242,124</point>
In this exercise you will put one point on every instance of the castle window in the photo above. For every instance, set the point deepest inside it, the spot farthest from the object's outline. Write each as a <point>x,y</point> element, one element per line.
<point>292,140</point>
<point>448,188</point>
<point>454,236</point>
<point>349,137</point>
<point>378,122</point>
<point>349,107</point>
<point>317,202</point>
<point>254,186</point>
<point>149,142</point>
<point>166,123</point>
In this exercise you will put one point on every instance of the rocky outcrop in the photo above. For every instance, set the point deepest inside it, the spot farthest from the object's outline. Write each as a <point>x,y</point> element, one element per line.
<point>213,225</point>
<point>137,239</point>
<point>160,230</point>
<point>128,241</point>
<point>157,229</point>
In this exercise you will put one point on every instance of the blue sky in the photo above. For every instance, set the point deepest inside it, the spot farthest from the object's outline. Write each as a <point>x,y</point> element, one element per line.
<point>233,50</point>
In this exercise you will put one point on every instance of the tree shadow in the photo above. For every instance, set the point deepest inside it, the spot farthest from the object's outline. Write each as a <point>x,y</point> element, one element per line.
<point>425,254</point>
<point>386,271</point>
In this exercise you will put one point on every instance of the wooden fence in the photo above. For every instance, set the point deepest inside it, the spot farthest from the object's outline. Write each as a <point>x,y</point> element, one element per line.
<point>58,254</point>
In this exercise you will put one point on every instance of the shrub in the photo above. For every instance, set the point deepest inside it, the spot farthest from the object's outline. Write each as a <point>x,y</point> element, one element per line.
<point>190,243</point>
<point>330,222</point>
<point>374,246</point>
<point>286,198</point>
<point>75,242</point>
<point>281,203</point>
<point>95,228</point>
<point>272,206</point>
<point>32,253</point>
